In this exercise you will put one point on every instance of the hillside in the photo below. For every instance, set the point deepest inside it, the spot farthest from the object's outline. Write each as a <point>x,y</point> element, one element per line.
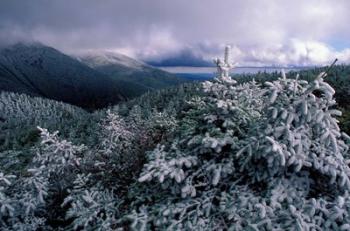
<point>134,76</point>
<point>43,71</point>
<point>20,115</point>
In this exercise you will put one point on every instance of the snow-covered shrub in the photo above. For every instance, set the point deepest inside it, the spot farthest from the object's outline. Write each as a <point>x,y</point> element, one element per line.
<point>158,126</point>
<point>92,207</point>
<point>6,203</point>
<point>117,157</point>
<point>116,135</point>
<point>49,175</point>
<point>76,187</point>
<point>250,157</point>
<point>104,174</point>
<point>299,131</point>
<point>97,198</point>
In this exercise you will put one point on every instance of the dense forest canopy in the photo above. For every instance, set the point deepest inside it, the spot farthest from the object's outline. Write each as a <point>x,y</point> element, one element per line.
<point>251,152</point>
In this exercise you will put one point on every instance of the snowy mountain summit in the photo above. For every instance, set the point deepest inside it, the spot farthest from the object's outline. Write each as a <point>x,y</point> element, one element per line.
<point>97,59</point>
<point>134,76</point>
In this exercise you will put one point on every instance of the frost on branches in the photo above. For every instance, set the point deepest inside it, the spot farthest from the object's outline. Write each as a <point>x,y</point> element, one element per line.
<point>50,173</point>
<point>69,185</point>
<point>250,157</point>
<point>235,157</point>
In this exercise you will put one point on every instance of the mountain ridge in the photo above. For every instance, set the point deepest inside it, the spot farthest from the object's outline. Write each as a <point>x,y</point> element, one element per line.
<point>129,72</point>
<point>93,82</point>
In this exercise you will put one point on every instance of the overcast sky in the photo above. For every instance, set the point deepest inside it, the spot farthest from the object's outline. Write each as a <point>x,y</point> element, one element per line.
<point>262,32</point>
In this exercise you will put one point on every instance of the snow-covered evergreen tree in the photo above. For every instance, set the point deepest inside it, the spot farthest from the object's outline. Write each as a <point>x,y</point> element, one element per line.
<point>250,157</point>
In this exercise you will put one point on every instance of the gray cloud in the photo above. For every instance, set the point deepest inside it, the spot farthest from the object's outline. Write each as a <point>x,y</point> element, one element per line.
<point>263,32</point>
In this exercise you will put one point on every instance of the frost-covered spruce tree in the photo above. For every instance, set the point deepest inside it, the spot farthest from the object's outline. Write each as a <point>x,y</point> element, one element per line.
<point>48,177</point>
<point>6,202</point>
<point>105,173</point>
<point>97,200</point>
<point>249,157</point>
<point>70,186</point>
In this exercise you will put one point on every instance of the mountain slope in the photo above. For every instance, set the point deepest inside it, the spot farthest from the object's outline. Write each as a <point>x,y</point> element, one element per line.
<point>135,77</point>
<point>20,114</point>
<point>39,70</point>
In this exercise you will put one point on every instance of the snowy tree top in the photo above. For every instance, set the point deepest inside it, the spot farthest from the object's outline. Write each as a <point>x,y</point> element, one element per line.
<point>224,66</point>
